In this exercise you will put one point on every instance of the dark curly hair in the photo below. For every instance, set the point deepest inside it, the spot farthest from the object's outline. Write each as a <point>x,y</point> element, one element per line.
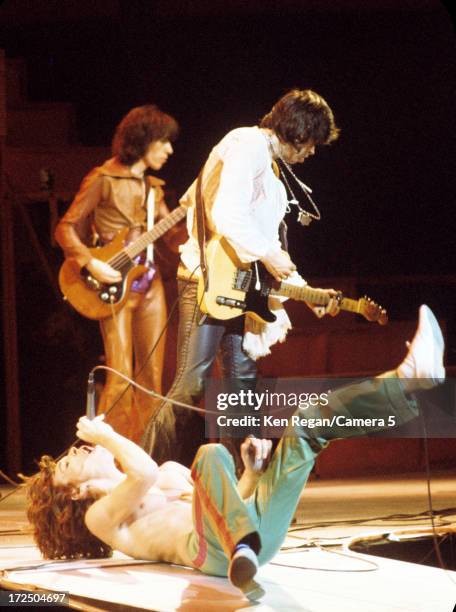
<point>302,116</point>
<point>138,129</point>
<point>58,523</point>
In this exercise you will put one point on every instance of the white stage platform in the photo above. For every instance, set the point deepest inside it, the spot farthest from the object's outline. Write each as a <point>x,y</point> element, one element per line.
<point>315,572</point>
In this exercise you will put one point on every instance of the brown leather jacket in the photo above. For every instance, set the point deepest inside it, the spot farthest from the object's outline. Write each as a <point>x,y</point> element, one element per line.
<point>110,198</point>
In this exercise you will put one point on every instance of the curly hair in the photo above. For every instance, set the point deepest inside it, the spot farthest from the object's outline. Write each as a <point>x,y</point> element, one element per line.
<point>138,129</point>
<point>58,523</point>
<point>302,116</point>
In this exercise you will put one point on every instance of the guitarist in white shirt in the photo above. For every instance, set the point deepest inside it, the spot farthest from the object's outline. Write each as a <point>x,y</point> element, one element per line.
<point>245,202</point>
<point>121,193</point>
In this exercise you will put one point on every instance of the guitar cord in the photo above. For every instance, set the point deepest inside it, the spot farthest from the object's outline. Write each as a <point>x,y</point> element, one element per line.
<point>134,383</point>
<point>152,350</point>
<point>180,370</point>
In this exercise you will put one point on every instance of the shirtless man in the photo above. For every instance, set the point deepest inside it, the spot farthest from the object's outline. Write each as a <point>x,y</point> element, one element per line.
<point>205,518</point>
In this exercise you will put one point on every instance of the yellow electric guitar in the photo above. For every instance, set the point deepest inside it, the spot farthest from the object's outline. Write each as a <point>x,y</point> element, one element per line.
<point>234,289</point>
<point>97,300</point>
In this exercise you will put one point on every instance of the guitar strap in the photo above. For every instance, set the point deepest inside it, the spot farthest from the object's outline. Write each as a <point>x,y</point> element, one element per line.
<point>283,227</point>
<point>201,227</point>
<point>150,208</point>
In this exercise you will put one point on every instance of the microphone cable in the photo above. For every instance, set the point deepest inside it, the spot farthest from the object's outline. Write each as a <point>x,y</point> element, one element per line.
<point>149,355</point>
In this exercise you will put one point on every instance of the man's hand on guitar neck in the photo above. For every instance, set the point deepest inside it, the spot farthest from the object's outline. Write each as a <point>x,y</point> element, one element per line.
<point>278,264</point>
<point>103,272</point>
<point>332,307</point>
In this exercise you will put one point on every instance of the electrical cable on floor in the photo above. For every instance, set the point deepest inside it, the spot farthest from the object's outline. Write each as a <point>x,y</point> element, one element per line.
<point>317,542</point>
<point>425,515</point>
<point>65,564</point>
<point>26,530</point>
<point>373,566</point>
<point>12,492</point>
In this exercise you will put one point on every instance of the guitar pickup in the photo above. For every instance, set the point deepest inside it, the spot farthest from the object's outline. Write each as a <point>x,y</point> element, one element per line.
<point>230,302</point>
<point>242,280</point>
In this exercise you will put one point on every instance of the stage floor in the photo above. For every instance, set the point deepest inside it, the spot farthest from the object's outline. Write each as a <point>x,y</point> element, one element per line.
<point>315,571</point>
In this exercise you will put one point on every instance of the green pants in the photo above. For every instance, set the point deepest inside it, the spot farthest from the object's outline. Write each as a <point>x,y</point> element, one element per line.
<point>221,517</point>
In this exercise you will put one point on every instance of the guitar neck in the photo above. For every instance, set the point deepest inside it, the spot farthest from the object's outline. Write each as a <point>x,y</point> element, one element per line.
<point>307,294</point>
<point>136,247</point>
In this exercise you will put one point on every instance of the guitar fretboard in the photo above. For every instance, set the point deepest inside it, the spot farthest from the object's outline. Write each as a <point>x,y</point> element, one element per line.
<point>307,294</point>
<point>135,248</point>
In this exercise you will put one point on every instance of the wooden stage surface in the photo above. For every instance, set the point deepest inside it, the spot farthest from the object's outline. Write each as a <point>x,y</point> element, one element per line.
<point>315,571</point>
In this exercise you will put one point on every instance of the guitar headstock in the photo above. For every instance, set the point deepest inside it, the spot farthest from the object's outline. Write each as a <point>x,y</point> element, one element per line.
<point>372,311</point>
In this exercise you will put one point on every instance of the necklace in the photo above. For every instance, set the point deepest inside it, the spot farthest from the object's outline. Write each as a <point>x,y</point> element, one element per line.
<point>304,217</point>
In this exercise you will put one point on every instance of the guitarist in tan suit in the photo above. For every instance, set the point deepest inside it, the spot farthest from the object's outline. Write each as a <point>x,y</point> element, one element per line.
<point>122,193</point>
<point>244,201</point>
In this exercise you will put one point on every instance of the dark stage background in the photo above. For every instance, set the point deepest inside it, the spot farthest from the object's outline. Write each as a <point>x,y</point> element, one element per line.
<point>385,189</point>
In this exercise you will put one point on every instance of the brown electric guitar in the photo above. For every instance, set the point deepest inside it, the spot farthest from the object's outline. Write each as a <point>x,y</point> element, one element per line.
<point>234,289</point>
<point>97,300</point>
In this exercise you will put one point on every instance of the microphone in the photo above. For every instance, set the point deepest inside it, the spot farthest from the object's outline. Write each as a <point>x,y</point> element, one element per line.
<point>90,402</point>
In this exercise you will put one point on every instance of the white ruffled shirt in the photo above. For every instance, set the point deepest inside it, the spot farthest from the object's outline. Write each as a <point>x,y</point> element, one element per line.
<point>247,210</point>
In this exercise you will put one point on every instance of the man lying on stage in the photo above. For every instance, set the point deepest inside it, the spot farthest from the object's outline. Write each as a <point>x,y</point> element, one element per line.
<point>83,505</point>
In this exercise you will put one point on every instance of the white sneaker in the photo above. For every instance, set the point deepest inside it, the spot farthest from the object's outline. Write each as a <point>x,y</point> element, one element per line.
<point>424,360</point>
<point>243,567</point>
